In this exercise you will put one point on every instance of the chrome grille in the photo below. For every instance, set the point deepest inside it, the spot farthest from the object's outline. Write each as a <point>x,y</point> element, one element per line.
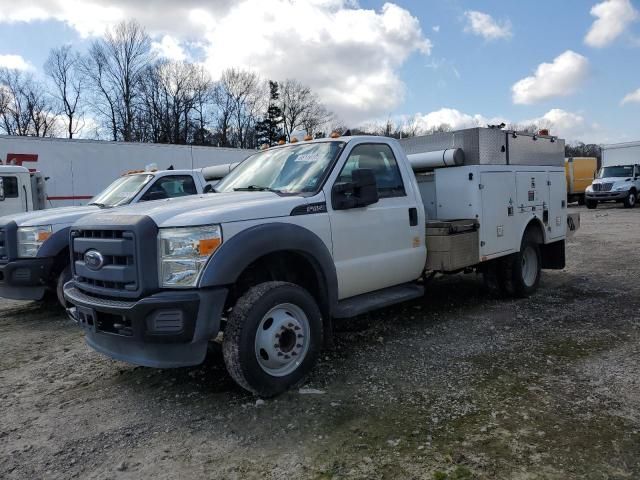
<point>117,247</point>
<point>602,187</point>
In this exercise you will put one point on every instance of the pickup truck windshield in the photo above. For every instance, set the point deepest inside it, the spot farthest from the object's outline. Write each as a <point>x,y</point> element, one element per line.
<point>621,171</point>
<point>291,169</point>
<point>122,191</point>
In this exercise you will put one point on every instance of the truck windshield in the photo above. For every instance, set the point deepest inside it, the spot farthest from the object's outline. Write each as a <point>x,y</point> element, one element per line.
<point>122,191</point>
<point>619,171</point>
<point>292,169</point>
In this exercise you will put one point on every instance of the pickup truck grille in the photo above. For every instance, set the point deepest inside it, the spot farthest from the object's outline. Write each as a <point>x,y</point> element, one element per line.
<point>602,187</point>
<point>118,269</point>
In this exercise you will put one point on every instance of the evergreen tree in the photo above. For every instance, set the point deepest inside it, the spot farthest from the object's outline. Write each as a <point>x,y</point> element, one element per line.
<point>269,129</point>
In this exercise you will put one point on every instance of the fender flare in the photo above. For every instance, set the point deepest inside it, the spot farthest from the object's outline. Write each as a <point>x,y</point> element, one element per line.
<point>538,222</point>
<point>55,244</point>
<point>244,248</point>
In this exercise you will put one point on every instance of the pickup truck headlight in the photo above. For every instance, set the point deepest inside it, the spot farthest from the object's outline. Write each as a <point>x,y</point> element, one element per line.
<point>184,252</point>
<point>621,188</point>
<point>589,188</point>
<point>30,239</point>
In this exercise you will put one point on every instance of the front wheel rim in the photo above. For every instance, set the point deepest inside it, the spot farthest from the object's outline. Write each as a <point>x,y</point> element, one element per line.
<point>282,339</point>
<point>529,266</point>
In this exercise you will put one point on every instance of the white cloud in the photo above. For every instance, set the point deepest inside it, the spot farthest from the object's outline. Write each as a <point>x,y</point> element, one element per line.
<point>349,55</point>
<point>633,97</point>
<point>569,125</point>
<point>169,48</point>
<point>453,118</point>
<point>486,26</point>
<point>562,77</point>
<point>436,28</point>
<point>613,17</point>
<point>14,62</point>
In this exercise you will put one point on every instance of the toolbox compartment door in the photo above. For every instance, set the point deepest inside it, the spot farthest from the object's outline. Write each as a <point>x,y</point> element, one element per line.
<point>497,227</point>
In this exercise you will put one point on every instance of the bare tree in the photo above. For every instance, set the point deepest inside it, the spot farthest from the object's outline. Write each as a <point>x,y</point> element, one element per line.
<point>62,67</point>
<point>302,109</point>
<point>25,109</point>
<point>115,66</point>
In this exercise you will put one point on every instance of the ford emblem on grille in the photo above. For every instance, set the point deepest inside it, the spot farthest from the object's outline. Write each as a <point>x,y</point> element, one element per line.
<point>94,260</point>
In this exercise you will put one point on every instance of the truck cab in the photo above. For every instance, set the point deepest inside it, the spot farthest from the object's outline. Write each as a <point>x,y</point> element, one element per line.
<point>20,190</point>
<point>300,235</point>
<point>615,183</point>
<point>34,253</point>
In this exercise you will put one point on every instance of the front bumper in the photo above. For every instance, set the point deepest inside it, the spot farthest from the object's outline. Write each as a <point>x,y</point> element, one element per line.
<point>165,330</point>
<point>603,196</point>
<point>26,279</point>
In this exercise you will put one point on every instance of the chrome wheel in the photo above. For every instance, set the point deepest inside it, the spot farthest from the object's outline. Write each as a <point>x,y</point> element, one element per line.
<point>282,339</point>
<point>529,266</point>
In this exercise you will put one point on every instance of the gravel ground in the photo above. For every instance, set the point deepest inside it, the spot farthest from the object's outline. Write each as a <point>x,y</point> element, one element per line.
<point>457,385</point>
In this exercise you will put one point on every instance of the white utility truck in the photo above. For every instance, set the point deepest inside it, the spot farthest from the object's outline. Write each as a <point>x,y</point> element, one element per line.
<point>34,246</point>
<point>302,234</point>
<point>20,190</point>
<point>619,178</point>
<point>76,170</point>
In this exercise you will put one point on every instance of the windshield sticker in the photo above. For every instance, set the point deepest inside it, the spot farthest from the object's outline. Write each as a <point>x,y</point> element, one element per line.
<point>308,158</point>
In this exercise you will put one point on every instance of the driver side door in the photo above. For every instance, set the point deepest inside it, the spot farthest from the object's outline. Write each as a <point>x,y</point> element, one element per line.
<point>376,246</point>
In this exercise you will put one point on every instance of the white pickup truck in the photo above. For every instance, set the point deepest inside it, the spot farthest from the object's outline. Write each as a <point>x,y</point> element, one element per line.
<point>302,234</point>
<point>34,246</point>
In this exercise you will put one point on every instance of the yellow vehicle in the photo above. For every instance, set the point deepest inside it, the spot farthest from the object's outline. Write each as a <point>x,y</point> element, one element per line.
<point>580,172</point>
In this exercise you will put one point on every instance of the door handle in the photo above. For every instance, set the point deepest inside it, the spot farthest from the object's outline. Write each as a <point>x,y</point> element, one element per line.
<point>413,217</point>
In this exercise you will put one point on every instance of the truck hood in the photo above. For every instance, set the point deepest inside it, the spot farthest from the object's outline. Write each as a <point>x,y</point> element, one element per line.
<point>208,209</point>
<point>612,180</point>
<point>52,216</point>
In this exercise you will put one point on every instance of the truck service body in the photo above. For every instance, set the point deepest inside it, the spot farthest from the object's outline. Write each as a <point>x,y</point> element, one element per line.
<point>76,170</point>
<point>619,178</point>
<point>34,253</point>
<point>302,234</point>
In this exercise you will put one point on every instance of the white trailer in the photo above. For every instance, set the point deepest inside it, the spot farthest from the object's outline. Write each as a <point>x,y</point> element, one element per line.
<point>621,154</point>
<point>76,170</point>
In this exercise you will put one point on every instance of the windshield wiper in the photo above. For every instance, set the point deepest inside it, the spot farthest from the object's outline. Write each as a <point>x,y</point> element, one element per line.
<point>98,204</point>
<point>256,188</point>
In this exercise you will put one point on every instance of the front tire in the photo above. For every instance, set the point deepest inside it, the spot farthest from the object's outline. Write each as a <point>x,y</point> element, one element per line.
<point>591,204</point>
<point>520,273</point>
<point>273,338</point>
<point>631,199</point>
<point>63,278</point>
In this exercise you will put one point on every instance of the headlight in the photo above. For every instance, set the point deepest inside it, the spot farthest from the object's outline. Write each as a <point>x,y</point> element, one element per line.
<point>589,188</point>
<point>30,239</point>
<point>621,188</point>
<point>184,252</point>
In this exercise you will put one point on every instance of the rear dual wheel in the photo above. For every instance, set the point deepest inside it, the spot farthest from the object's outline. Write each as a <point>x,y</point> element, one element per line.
<point>273,338</point>
<point>517,275</point>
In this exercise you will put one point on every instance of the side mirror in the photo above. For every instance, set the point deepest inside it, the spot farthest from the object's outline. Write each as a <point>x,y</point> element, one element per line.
<point>155,195</point>
<point>208,188</point>
<point>1,189</point>
<point>360,192</point>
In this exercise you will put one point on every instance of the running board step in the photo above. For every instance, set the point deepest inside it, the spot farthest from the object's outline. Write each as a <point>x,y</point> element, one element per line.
<point>379,299</point>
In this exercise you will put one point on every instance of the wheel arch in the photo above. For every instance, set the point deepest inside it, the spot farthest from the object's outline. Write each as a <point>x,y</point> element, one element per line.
<point>269,245</point>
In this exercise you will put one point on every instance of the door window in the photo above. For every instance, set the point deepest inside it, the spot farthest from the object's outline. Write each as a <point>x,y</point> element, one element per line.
<point>170,187</point>
<point>10,187</point>
<point>379,158</point>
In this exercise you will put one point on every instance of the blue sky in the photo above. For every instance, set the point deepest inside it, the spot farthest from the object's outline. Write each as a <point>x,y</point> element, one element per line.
<point>421,60</point>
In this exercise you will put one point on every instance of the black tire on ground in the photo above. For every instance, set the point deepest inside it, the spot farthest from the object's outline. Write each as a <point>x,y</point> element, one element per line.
<point>591,204</point>
<point>63,278</point>
<point>250,326</point>
<point>631,199</point>
<point>519,275</point>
